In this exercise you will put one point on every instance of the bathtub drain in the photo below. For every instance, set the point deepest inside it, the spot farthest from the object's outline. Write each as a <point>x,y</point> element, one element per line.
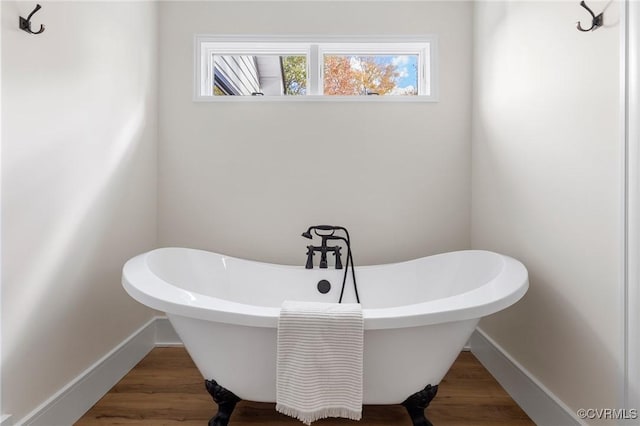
<point>324,286</point>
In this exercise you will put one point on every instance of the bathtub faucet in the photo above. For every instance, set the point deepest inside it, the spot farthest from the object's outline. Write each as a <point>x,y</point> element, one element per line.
<point>327,232</point>
<point>327,235</point>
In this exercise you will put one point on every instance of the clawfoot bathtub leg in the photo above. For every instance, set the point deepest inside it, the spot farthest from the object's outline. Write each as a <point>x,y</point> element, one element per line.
<point>226,401</point>
<point>418,402</point>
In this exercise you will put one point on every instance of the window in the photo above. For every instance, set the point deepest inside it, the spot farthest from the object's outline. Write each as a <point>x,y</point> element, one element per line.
<point>291,67</point>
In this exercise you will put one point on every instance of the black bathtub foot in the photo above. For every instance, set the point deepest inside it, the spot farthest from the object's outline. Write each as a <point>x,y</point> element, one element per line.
<point>226,401</point>
<point>418,402</point>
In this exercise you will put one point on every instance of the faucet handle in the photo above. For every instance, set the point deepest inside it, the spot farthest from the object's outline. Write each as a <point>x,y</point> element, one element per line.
<point>310,250</point>
<point>336,253</point>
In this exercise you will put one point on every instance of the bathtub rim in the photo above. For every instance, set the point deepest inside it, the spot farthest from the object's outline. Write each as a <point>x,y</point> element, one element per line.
<point>147,288</point>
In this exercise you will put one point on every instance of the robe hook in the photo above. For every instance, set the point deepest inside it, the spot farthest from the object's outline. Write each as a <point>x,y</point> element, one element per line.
<point>596,21</point>
<point>25,24</point>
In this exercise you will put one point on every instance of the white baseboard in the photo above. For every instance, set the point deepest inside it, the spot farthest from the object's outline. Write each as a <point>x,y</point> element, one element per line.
<point>540,404</point>
<point>78,396</point>
<point>5,420</point>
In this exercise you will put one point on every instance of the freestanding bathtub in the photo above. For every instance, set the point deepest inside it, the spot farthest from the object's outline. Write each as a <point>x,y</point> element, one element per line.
<point>418,314</point>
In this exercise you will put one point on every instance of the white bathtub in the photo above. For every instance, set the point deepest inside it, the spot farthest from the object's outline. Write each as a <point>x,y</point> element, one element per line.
<point>417,314</point>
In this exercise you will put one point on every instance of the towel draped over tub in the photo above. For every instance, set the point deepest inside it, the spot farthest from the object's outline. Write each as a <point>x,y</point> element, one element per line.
<point>319,360</point>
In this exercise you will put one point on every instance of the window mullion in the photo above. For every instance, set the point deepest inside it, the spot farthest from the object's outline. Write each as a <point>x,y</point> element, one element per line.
<point>314,74</point>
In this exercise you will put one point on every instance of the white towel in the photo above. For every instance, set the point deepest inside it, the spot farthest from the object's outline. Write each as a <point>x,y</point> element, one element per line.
<point>319,367</point>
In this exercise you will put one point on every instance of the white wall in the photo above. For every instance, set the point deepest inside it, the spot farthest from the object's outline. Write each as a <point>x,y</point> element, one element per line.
<point>547,188</point>
<point>246,179</point>
<point>78,187</point>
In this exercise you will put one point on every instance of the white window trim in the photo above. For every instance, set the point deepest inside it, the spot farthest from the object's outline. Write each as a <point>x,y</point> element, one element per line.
<point>425,46</point>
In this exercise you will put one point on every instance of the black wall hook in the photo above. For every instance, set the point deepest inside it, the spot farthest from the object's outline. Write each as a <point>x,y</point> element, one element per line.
<point>596,21</point>
<point>25,24</point>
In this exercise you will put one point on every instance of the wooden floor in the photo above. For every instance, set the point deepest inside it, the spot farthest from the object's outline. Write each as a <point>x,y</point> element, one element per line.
<point>165,388</point>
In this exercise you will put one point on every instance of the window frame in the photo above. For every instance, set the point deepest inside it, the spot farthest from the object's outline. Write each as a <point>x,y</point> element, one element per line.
<point>314,47</point>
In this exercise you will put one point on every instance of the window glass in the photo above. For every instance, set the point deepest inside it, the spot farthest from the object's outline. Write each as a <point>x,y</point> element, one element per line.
<point>259,75</point>
<point>348,75</point>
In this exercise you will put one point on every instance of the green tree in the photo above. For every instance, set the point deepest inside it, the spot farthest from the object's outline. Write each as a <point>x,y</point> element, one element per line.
<point>294,69</point>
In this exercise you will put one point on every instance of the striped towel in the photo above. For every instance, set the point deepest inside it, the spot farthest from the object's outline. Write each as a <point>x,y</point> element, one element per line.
<point>319,367</point>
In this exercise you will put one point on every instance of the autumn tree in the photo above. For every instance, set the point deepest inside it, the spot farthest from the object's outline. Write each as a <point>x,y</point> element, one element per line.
<point>339,78</point>
<point>358,75</point>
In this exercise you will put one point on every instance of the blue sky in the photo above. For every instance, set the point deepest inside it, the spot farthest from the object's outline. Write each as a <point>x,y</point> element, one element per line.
<point>407,66</point>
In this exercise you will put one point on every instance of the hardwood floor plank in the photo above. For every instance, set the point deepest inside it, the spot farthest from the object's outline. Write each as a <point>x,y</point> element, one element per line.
<point>166,388</point>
